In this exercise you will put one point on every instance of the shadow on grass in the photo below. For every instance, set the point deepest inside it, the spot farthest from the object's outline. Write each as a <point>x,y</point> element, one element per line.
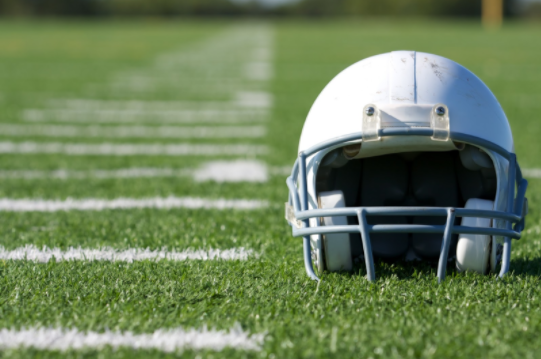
<point>403,270</point>
<point>526,266</point>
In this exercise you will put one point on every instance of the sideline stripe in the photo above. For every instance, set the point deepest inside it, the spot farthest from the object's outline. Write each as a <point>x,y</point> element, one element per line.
<point>33,253</point>
<point>131,131</point>
<point>164,340</point>
<point>92,204</point>
<point>531,172</point>
<point>129,149</point>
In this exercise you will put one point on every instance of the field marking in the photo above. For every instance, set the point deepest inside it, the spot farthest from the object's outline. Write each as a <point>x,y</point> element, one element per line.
<point>531,172</point>
<point>136,172</point>
<point>235,65</point>
<point>132,131</point>
<point>259,70</point>
<point>254,99</point>
<point>242,100</point>
<point>217,171</point>
<point>129,149</point>
<point>248,106</point>
<point>146,116</point>
<point>45,254</point>
<point>165,340</point>
<point>94,204</point>
<point>281,170</point>
<point>233,171</point>
<point>215,65</point>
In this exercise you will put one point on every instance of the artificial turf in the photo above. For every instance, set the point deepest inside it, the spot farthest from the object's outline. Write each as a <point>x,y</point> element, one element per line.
<point>405,313</point>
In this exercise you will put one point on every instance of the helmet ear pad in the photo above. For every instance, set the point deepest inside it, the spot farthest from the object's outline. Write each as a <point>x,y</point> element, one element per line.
<point>384,182</point>
<point>475,251</point>
<point>434,184</point>
<point>344,177</point>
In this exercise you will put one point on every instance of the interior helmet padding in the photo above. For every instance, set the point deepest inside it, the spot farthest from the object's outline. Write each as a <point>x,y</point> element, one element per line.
<point>430,179</point>
<point>384,182</point>
<point>474,159</point>
<point>476,184</point>
<point>345,178</point>
<point>433,182</point>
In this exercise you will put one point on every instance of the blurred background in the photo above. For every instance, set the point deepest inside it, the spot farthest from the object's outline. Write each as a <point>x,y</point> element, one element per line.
<point>269,8</point>
<point>164,71</point>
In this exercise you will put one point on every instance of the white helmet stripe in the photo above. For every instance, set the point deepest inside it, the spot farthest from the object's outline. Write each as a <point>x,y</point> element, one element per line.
<point>402,77</point>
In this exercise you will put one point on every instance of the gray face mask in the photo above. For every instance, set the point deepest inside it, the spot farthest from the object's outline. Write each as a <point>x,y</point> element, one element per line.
<point>406,206</point>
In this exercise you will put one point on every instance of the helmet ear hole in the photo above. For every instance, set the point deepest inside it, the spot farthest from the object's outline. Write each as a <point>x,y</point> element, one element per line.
<point>335,159</point>
<point>351,150</point>
<point>459,145</point>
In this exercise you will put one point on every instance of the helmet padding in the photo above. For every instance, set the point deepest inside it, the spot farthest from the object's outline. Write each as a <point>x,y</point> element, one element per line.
<point>427,179</point>
<point>384,182</point>
<point>434,184</point>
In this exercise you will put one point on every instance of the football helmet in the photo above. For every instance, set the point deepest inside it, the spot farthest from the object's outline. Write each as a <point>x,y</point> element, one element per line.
<point>406,155</point>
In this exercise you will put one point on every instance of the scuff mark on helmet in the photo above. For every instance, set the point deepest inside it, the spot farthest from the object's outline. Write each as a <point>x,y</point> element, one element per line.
<point>436,70</point>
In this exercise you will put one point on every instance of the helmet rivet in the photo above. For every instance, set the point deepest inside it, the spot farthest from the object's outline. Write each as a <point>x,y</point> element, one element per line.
<point>440,110</point>
<point>370,111</point>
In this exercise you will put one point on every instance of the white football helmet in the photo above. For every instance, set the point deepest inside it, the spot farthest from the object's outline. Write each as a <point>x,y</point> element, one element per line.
<point>406,155</point>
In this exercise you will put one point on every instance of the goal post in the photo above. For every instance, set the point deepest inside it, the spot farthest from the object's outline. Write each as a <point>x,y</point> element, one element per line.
<point>492,13</point>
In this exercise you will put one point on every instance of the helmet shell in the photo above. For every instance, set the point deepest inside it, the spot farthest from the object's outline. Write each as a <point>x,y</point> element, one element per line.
<point>406,78</point>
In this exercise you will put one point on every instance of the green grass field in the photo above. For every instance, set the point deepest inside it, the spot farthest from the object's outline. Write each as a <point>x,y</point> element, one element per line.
<point>52,70</point>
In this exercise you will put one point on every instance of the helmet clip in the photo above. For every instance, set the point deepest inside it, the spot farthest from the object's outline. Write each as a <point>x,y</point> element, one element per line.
<point>439,121</point>
<point>371,123</point>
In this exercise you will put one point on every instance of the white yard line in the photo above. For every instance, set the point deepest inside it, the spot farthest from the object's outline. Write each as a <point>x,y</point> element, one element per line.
<point>242,101</point>
<point>165,340</point>
<point>220,65</point>
<point>283,171</point>
<point>235,65</point>
<point>231,116</point>
<point>101,174</point>
<point>259,70</point>
<point>88,104</point>
<point>254,99</point>
<point>217,171</point>
<point>232,171</point>
<point>130,149</point>
<point>531,172</point>
<point>95,204</point>
<point>132,131</point>
<point>45,254</point>
<point>247,106</point>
